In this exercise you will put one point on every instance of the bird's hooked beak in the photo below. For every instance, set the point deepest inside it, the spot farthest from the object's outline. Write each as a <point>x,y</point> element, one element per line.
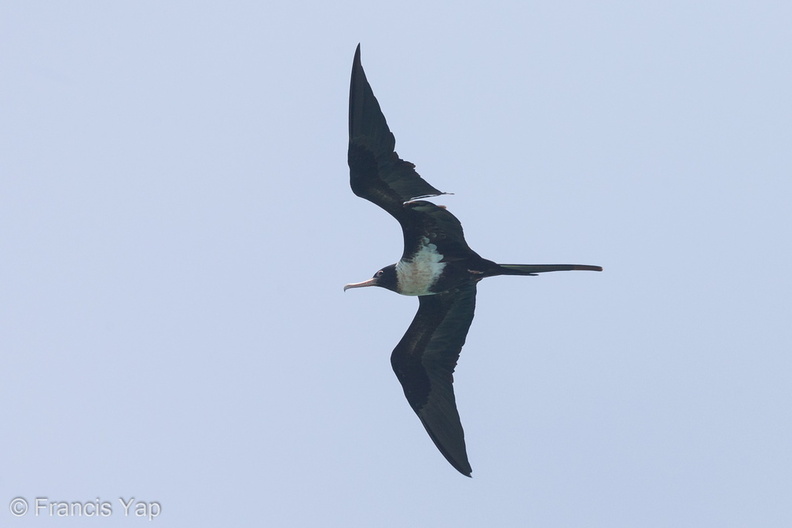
<point>370,282</point>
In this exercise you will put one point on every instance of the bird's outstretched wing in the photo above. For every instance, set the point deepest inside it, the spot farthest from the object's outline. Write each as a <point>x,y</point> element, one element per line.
<point>424,361</point>
<point>376,172</point>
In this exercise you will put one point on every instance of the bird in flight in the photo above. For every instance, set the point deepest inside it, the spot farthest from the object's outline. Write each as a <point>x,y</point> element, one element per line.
<point>437,266</point>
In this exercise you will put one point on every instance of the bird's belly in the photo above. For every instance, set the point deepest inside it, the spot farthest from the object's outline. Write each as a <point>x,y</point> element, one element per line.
<point>416,276</point>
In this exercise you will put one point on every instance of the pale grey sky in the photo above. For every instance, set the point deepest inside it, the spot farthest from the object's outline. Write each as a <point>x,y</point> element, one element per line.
<point>178,225</point>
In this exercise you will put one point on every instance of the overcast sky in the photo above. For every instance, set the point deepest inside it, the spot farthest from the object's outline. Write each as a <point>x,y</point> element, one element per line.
<point>176,226</point>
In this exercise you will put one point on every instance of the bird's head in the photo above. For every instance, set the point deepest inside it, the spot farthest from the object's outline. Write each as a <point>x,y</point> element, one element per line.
<point>384,278</point>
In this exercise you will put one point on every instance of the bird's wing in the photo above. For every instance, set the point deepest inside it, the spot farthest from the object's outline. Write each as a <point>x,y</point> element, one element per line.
<point>424,361</point>
<point>376,172</point>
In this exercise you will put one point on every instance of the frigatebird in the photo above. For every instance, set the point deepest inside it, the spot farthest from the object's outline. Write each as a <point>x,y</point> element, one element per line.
<point>437,266</point>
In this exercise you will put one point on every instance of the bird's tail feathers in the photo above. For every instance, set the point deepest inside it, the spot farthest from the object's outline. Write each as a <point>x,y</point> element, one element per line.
<point>534,269</point>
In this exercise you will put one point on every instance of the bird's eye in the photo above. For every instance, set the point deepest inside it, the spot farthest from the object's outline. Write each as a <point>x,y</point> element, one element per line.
<point>379,273</point>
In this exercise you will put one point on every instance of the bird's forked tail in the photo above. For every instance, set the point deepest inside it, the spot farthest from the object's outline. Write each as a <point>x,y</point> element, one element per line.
<point>533,269</point>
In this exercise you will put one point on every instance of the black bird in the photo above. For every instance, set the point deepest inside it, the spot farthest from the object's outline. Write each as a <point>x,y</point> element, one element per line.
<point>437,266</point>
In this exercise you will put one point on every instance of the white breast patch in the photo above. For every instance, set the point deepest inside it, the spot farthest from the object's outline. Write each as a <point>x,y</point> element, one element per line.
<point>416,276</point>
